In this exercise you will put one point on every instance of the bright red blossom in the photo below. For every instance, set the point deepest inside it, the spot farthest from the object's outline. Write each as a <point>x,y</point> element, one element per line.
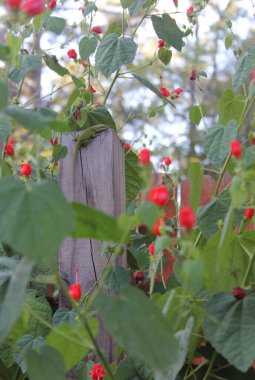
<point>127,146</point>
<point>236,149</point>
<point>249,213</point>
<point>159,195</point>
<point>151,249</point>
<point>190,10</point>
<point>52,4</point>
<point>54,141</point>
<point>97,29</point>
<point>164,91</point>
<point>72,54</point>
<point>167,161</point>
<point>193,74</point>
<point>138,275</point>
<point>144,156</point>
<point>33,7</point>
<point>157,228</point>
<point>9,150</point>
<point>238,293</point>
<point>187,218</point>
<point>25,169</point>
<point>161,44</point>
<point>91,89</point>
<point>97,372</point>
<point>74,291</point>
<point>13,4</point>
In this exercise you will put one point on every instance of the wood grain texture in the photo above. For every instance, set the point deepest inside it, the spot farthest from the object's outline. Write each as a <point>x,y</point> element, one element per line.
<point>99,181</point>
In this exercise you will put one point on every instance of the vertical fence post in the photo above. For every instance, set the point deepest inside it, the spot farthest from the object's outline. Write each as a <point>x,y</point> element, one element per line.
<point>99,181</point>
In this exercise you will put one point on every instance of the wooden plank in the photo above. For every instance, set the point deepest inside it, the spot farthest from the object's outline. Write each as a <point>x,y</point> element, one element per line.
<point>99,181</point>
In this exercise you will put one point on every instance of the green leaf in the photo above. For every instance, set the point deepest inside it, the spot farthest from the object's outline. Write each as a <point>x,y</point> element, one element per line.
<point>183,337</point>
<point>167,30</point>
<point>148,213</point>
<point>165,55</point>
<point>13,298</point>
<point>190,274</point>
<point>22,346</point>
<point>127,3</point>
<point>5,52</point>
<point>4,95</point>
<point>87,46</point>
<point>52,62</point>
<point>217,142</point>
<point>54,24</point>
<point>139,335</point>
<point>40,307</point>
<point>161,242</point>
<point>100,115</point>
<point>95,224</point>
<point>72,343</point>
<point>228,42</point>
<point>113,52</point>
<point>116,278</point>
<point>59,152</point>
<point>196,113</point>
<point>131,368</point>
<point>137,5</point>
<point>154,89</point>
<point>195,174</point>
<point>133,178</point>
<point>35,221</point>
<point>5,127</point>
<point>249,156</point>
<point>230,328</point>
<point>244,66</point>
<point>27,63</point>
<point>45,363</point>
<point>231,107</point>
<point>208,216</point>
<point>64,315</point>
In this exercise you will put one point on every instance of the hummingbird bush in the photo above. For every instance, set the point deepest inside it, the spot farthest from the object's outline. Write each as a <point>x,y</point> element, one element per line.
<point>184,306</point>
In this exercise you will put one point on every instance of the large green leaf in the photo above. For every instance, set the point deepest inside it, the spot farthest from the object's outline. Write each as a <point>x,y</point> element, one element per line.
<point>133,179</point>
<point>5,127</point>
<point>167,30</point>
<point>11,300</point>
<point>36,219</point>
<point>196,113</point>
<point>45,363</point>
<point>64,315</point>
<point>145,335</point>
<point>3,95</point>
<point>230,328</point>
<point>217,142</point>
<point>94,224</point>
<point>52,62</point>
<point>116,278</point>
<point>208,216</point>
<point>54,24</point>
<point>113,52</point>
<point>22,346</point>
<point>195,174</point>
<point>132,369</point>
<point>87,46</point>
<point>100,115</point>
<point>231,107</point>
<point>27,63</point>
<point>244,66</point>
<point>37,309</point>
<point>154,89</point>
<point>72,343</point>
<point>148,213</point>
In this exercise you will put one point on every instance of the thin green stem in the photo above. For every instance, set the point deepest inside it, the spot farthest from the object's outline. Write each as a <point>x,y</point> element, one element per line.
<point>194,371</point>
<point>144,16</point>
<point>111,86</point>
<point>210,367</point>
<point>248,269</point>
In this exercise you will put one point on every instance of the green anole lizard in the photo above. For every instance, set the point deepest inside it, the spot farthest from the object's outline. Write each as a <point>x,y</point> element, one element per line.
<point>85,139</point>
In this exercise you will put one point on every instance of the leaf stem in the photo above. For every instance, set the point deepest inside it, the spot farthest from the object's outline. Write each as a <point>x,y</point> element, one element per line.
<point>111,86</point>
<point>248,270</point>
<point>210,367</point>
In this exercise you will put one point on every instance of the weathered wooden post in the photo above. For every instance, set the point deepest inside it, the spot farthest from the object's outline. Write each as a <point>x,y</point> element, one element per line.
<point>99,181</point>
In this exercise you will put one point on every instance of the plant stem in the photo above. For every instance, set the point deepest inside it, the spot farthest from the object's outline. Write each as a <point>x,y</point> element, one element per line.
<point>111,86</point>
<point>210,367</point>
<point>248,270</point>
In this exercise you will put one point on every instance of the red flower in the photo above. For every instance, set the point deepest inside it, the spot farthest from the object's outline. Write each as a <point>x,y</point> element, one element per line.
<point>156,229</point>
<point>175,3</point>
<point>91,89</point>
<point>175,93</point>
<point>252,74</point>
<point>151,249</point>
<point>159,195</point>
<point>52,4</point>
<point>13,4</point>
<point>25,169</point>
<point>187,218</point>
<point>12,141</point>
<point>97,29</point>
<point>138,275</point>
<point>161,44</point>
<point>9,150</point>
<point>253,141</point>
<point>190,10</point>
<point>72,54</point>
<point>74,291</point>
<point>193,74</point>
<point>167,161</point>
<point>236,149</point>
<point>142,229</point>
<point>97,372</point>
<point>144,156</point>
<point>127,146</point>
<point>249,213</point>
<point>33,7</point>
<point>238,293</point>
<point>54,141</point>
<point>164,91</point>
<point>83,64</point>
